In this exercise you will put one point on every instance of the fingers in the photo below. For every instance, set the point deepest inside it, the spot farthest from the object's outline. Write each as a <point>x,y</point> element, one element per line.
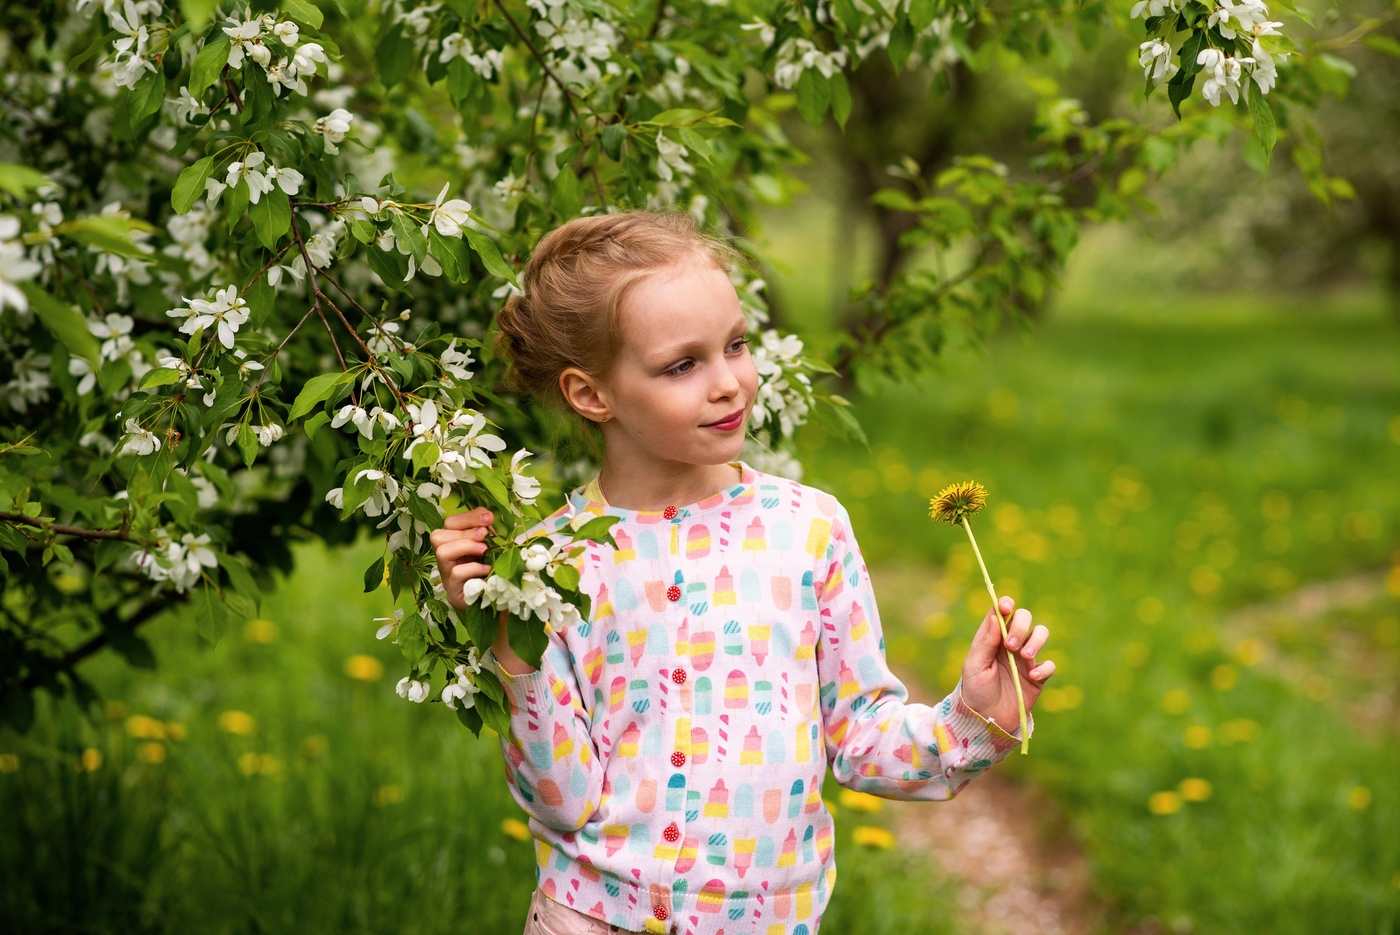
<point>440,537</point>
<point>469,519</point>
<point>454,577</point>
<point>1041,672</point>
<point>451,552</point>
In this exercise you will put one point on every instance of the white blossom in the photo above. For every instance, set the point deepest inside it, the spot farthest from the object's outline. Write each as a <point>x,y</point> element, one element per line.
<point>1223,72</point>
<point>1152,8</point>
<point>797,55</point>
<point>670,158</point>
<point>289,180</point>
<point>248,172</point>
<point>413,689</point>
<point>138,440</point>
<point>243,37</point>
<point>449,216</point>
<point>15,266</point>
<point>1156,61</point>
<point>227,311</point>
<point>333,128</point>
<point>455,364</point>
<point>391,624</point>
<point>386,491</point>
<point>525,487</point>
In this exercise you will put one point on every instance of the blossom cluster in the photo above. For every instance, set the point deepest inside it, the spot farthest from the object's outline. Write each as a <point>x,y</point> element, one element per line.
<point>132,58</point>
<point>1240,24</point>
<point>582,45</point>
<point>181,561</point>
<point>258,38</point>
<point>533,596</point>
<point>784,390</point>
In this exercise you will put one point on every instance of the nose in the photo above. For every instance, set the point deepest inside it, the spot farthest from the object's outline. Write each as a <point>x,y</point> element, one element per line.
<point>726,382</point>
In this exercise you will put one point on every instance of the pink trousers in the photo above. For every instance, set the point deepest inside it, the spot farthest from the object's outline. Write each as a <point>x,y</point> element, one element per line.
<point>548,917</point>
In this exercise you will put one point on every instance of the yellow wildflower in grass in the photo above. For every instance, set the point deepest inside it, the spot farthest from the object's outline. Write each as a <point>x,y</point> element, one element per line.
<point>364,668</point>
<point>1223,677</point>
<point>9,763</point>
<point>871,836</point>
<point>515,828</point>
<point>1176,701</point>
<point>150,752</point>
<point>1241,730</point>
<point>388,795</point>
<point>145,728</point>
<point>1359,798</point>
<point>954,505</point>
<point>255,764</point>
<point>314,747</point>
<point>174,730</point>
<point>91,760</point>
<point>860,801</point>
<point>1194,789</point>
<point>237,722</point>
<point>1249,652</point>
<point>1061,698</point>
<point>260,631</point>
<point>1164,803</point>
<point>1198,736</point>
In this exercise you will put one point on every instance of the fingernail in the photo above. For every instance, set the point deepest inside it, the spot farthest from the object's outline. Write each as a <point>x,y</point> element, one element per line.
<point>1012,642</point>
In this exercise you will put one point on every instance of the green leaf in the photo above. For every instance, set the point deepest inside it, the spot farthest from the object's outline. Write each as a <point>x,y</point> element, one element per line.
<point>840,99</point>
<point>394,56</point>
<point>64,321</point>
<point>490,254</point>
<point>357,491</point>
<point>190,185</point>
<point>272,217</point>
<point>901,44</point>
<point>490,686</point>
<point>471,719</point>
<point>567,196</point>
<point>210,615</point>
<point>248,443</point>
<point>374,575</point>
<point>425,455</point>
<point>108,232</point>
<point>160,376</point>
<point>146,97</point>
<point>18,180</point>
<point>1382,44</point>
<point>423,511</point>
<point>528,639</point>
<point>412,637</point>
<point>408,233</point>
<point>240,578</point>
<point>482,624</point>
<point>597,530</point>
<point>493,485</point>
<point>316,390</point>
<point>614,135</point>
<point>566,576</point>
<point>494,716</point>
<point>304,11</point>
<point>1265,128</point>
<point>209,65</point>
<point>451,253</point>
<point>813,96</point>
<point>313,424</point>
<point>102,43</point>
<point>509,565</point>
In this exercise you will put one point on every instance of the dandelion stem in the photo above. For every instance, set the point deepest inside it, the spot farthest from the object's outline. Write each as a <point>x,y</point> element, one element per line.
<point>1010,656</point>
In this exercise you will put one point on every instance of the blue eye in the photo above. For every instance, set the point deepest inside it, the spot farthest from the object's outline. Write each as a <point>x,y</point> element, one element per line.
<point>682,368</point>
<point>739,343</point>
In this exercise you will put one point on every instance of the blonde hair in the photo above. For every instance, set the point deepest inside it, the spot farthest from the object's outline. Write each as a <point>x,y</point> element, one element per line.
<point>574,286</point>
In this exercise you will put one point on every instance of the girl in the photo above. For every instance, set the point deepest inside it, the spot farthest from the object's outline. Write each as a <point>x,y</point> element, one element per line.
<point>670,750</point>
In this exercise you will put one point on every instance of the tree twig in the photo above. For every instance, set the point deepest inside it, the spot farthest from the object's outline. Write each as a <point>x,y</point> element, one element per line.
<point>62,530</point>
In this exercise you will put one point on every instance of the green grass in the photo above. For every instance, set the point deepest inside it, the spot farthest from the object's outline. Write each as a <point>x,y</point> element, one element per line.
<point>1154,466</point>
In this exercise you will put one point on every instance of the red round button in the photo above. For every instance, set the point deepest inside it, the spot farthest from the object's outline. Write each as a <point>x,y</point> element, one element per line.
<point>678,759</point>
<point>673,593</point>
<point>678,676</point>
<point>670,512</point>
<point>672,833</point>
<point>661,912</point>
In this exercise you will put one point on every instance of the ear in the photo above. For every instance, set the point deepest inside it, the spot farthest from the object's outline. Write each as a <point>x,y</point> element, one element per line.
<point>585,394</point>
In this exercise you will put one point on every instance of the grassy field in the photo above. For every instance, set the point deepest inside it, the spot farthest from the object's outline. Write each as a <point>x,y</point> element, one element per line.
<point>1165,478</point>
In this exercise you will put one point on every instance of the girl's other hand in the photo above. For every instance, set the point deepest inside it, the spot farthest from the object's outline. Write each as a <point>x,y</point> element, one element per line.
<point>986,676</point>
<point>458,546</point>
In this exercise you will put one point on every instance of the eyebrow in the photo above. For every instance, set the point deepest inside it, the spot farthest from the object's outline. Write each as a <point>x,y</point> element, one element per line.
<point>675,352</point>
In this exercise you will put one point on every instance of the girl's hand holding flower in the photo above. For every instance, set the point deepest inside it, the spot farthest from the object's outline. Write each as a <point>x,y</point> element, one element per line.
<point>458,547</point>
<point>987,682</point>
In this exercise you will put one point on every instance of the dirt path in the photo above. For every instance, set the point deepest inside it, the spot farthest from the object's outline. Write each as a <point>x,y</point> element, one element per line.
<point>1008,849</point>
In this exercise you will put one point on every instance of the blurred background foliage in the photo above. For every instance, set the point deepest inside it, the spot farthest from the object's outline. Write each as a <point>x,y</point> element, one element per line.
<point>1191,449</point>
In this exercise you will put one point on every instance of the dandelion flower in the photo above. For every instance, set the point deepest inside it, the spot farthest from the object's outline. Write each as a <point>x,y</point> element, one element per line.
<point>957,501</point>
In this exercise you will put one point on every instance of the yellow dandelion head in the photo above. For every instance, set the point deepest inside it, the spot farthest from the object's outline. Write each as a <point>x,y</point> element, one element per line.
<point>515,828</point>
<point>860,801</point>
<point>957,501</point>
<point>871,836</point>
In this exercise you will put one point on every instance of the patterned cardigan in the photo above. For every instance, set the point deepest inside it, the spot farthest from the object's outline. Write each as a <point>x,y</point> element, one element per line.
<point>670,750</point>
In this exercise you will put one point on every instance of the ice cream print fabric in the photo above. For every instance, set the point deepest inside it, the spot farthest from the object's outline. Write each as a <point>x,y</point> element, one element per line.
<point>671,749</point>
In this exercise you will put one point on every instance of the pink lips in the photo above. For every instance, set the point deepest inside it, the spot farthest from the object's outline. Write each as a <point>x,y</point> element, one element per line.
<point>729,423</point>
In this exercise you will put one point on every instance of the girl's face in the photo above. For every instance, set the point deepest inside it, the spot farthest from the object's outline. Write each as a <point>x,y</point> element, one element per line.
<point>682,384</point>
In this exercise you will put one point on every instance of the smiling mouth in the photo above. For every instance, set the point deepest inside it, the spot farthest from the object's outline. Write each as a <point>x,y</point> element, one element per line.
<point>728,423</point>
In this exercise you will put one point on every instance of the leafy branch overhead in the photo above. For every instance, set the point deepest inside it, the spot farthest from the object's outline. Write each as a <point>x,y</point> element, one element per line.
<point>250,256</point>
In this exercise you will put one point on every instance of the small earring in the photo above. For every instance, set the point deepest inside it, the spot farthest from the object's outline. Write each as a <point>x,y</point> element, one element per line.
<point>605,419</point>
